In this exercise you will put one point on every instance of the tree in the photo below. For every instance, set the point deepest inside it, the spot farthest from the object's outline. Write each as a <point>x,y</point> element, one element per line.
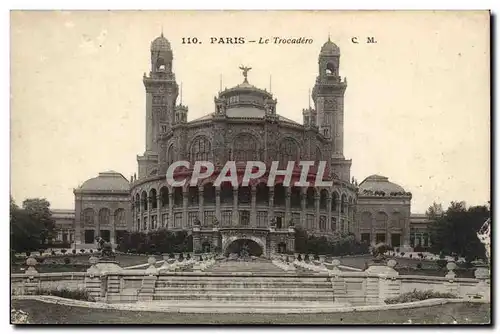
<point>455,230</point>
<point>39,209</point>
<point>435,211</point>
<point>24,229</point>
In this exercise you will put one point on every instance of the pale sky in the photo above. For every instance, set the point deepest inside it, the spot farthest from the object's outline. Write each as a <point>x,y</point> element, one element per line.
<point>416,107</point>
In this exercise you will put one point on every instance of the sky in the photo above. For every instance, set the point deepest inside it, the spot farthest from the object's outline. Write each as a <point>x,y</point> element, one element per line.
<point>416,107</point>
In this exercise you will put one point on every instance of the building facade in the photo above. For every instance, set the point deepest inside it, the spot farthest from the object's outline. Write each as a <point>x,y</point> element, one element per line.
<point>245,126</point>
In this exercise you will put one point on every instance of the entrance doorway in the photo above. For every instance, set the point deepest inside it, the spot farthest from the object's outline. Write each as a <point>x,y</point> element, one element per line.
<point>244,247</point>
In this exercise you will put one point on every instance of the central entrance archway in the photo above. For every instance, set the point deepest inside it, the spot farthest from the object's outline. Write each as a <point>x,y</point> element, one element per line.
<point>241,246</point>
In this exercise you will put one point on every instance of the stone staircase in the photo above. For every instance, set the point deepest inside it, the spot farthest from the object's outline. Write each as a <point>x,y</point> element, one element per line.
<point>242,289</point>
<point>238,282</point>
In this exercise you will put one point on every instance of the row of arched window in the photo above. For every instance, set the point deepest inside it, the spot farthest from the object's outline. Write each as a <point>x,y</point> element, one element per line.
<point>245,148</point>
<point>152,199</point>
<point>381,220</point>
<point>103,216</point>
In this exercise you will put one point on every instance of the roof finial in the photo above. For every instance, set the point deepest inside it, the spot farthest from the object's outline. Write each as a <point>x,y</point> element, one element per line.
<point>329,40</point>
<point>181,93</point>
<point>270,83</point>
<point>245,70</point>
<point>162,30</point>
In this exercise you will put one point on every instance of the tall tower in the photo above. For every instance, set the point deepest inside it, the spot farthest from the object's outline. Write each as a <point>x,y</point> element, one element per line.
<point>328,97</point>
<point>161,93</point>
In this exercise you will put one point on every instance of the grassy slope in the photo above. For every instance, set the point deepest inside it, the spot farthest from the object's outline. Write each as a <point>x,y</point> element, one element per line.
<point>44,313</point>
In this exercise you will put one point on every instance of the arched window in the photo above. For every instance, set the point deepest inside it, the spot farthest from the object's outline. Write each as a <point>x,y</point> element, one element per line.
<point>335,201</point>
<point>120,218</point>
<point>200,149</point>
<point>170,155</point>
<point>288,151</point>
<point>244,195</point>
<point>330,69</point>
<point>343,204</point>
<point>226,193</point>
<point>137,202</point>
<point>310,198</point>
<point>104,216</point>
<point>279,194</point>
<point>245,148</point>
<point>295,198</point>
<point>144,200</point>
<point>381,220</point>
<point>193,196</point>
<point>178,198</point>
<point>208,193</point>
<point>152,198</point>
<point>88,216</point>
<point>164,196</point>
<point>322,199</point>
<point>262,194</point>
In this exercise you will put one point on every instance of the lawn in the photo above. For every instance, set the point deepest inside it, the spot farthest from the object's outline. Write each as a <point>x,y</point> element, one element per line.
<point>462,313</point>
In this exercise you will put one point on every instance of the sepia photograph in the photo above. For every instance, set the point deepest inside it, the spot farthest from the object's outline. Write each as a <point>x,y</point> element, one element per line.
<point>250,167</point>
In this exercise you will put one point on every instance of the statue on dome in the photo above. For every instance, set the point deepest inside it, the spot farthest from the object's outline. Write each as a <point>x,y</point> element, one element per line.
<point>245,70</point>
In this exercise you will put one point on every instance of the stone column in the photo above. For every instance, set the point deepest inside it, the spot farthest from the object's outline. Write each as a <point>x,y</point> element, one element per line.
<point>373,231</point>
<point>141,213</point>
<point>338,206</point>
<point>253,212</point>
<point>235,216</point>
<point>158,210</point>
<point>170,209</point>
<point>329,212</point>
<point>287,206</point>
<point>112,233</point>
<point>316,206</point>
<point>97,225</point>
<point>200,205</point>
<point>185,195</point>
<point>303,208</point>
<point>78,222</point>
<point>271,204</point>
<point>217,205</point>
<point>406,232</point>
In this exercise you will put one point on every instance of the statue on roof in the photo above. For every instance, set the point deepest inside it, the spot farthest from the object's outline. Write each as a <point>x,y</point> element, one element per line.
<point>245,70</point>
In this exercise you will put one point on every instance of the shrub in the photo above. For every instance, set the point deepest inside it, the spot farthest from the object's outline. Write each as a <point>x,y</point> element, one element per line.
<point>73,251</point>
<point>53,253</point>
<point>441,263</point>
<point>402,253</point>
<point>41,252</point>
<point>411,256</point>
<point>67,260</point>
<point>78,294</point>
<point>91,251</point>
<point>63,251</point>
<point>28,253</point>
<point>82,250</point>
<point>418,295</point>
<point>419,265</point>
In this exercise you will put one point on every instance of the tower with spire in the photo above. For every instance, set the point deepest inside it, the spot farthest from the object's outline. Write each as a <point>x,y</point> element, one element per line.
<point>161,95</point>
<point>328,97</point>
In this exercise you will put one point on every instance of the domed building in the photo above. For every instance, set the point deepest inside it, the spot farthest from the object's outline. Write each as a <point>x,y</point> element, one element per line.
<point>384,212</point>
<point>102,208</point>
<point>244,126</point>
